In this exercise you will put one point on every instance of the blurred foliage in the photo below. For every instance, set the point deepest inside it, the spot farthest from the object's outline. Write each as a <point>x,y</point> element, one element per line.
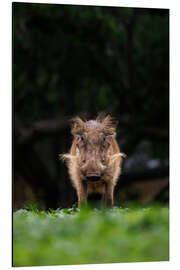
<point>80,55</point>
<point>73,236</point>
<point>70,60</point>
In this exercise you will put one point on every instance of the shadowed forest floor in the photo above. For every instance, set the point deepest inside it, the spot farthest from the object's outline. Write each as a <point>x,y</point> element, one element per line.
<point>86,236</point>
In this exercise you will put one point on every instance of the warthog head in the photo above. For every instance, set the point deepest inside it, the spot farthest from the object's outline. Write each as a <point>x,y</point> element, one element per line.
<point>94,146</point>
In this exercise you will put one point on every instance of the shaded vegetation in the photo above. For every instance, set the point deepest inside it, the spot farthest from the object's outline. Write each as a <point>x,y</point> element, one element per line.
<point>73,236</point>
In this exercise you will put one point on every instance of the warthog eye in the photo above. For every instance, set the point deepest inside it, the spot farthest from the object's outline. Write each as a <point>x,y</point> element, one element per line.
<point>82,139</point>
<point>105,142</point>
<point>104,138</point>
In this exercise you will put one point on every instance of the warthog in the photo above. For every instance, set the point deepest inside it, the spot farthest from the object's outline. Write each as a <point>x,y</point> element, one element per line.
<point>94,161</point>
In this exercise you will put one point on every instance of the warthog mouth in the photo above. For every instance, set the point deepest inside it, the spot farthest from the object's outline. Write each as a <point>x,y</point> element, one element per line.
<point>92,177</point>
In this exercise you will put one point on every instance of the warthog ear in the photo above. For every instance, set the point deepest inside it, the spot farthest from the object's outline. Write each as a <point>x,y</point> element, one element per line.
<point>77,125</point>
<point>109,124</point>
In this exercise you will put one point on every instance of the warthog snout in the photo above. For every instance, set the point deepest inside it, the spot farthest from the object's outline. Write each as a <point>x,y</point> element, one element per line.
<point>93,171</point>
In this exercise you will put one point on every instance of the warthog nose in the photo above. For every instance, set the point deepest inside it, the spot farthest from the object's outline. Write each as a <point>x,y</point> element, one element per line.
<point>93,177</point>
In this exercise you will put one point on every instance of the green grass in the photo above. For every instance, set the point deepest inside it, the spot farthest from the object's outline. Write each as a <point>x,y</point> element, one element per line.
<point>73,236</point>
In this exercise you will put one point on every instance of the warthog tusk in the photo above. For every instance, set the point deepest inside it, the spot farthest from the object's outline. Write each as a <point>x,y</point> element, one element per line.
<point>114,157</point>
<point>66,157</point>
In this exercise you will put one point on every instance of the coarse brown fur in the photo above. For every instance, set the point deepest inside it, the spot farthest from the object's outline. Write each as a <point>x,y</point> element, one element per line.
<point>94,161</point>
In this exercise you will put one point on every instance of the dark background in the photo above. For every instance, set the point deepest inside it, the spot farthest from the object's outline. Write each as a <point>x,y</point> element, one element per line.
<point>81,60</point>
